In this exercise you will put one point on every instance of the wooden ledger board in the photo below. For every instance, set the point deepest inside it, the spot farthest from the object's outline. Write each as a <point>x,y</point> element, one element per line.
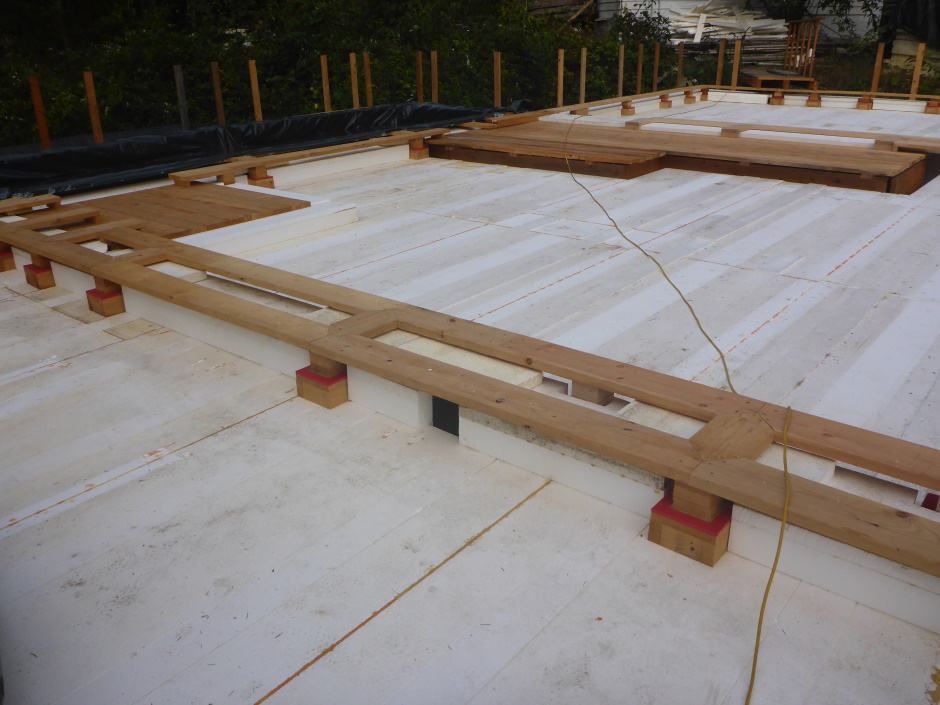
<point>618,152</point>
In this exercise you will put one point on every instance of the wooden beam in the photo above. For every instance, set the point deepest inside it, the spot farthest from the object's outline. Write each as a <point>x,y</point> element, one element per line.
<point>367,70</point>
<point>181,96</point>
<point>497,79</point>
<point>655,67</point>
<point>876,71</point>
<point>722,45</point>
<point>918,66</point>
<point>40,111</point>
<point>419,75</point>
<point>325,80</point>
<point>217,92</point>
<point>92,99</point>
<point>639,69</point>
<point>255,92</point>
<point>434,93</point>
<point>735,67</point>
<point>620,70</point>
<point>560,91</point>
<point>679,64</point>
<point>354,80</point>
<point>583,74</point>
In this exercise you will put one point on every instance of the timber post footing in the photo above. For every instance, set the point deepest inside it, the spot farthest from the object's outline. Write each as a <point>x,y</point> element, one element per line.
<point>700,540</point>
<point>814,101</point>
<point>776,98</point>
<point>39,277</point>
<point>328,392</point>
<point>106,299</point>
<point>664,103</point>
<point>933,107</point>
<point>865,103</point>
<point>689,98</point>
<point>7,263</point>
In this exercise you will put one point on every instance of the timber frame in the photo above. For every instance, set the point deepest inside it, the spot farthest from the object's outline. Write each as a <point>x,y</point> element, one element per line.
<point>719,460</point>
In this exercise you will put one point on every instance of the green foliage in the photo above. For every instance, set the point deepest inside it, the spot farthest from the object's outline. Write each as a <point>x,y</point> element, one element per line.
<point>131,47</point>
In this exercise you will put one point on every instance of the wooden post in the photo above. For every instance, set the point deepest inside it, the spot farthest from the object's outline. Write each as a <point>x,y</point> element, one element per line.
<point>737,64</point>
<point>876,72</point>
<point>655,67</point>
<point>583,74</point>
<point>419,74</point>
<point>217,90</point>
<point>918,65</point>
<point>561,78</point>
<point>620,70</point>
<point>93,107</point>
<point>721,61</point>
<point>497,79</point>
<point>367,70</point>
<point>434,77</point>
<point>639,69</point>
<point>40,111</point>
<point>679,63</point>
<point>255,94</point>
<point>325,77</point>
<point>181,97</point>
<point>354,80</point>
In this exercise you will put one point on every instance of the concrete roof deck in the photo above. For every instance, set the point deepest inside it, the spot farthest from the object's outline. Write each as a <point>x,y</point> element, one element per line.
<point>204,535</point>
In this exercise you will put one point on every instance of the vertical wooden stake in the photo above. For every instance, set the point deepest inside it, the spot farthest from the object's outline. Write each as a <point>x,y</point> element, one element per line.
<point>737,64</point>
<point>354,80</point>
<point>217,90</point>
<point>433,76</point>
<point>655,66</point>
<point>255,94</point>
<point>918,65</point>
<point>620,71</point>
<point>639,69</point>
<point>367,70</point>
<point>583,74</point>
<point>561,78</point>
<point>419,74</point>
<point>876,72</point>
<point>497,79</point>
<point>181,97</point>
<point>721,61</point>
<point>40,111</point>
<point>325,77</point>
<point>679,63</point>
<point>93,107</point>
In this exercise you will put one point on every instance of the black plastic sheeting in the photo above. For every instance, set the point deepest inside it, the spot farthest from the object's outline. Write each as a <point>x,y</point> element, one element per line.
<point>124,161</point>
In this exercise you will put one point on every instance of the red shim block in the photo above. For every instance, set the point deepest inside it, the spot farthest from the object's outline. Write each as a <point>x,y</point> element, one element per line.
<point>714,527</point>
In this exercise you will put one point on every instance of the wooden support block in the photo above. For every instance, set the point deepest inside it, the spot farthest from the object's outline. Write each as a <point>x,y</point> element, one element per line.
<point>702,541</point>
<point>580,111</point>
<point>731,131</point>
<point>328,392</point>
<point>258,176</point>
<point>417,149</point>
<point>626,108</point>
<point>105,304</point>
<point>886,146</point>
<point>738,434</point>
<point>664,102</point>
<point>933,106</point>
<point>814,101</point>
<point>39,277</point>
<point>694,502</point>
<point>7,263</point>
<point>776,98</point>
<point>631,125</point>
<point>689,98</point>
<point>704,95</point>
<point>865,103</point>
<point>591,394</point>
<point>106,286</point>
<point>325,367</point>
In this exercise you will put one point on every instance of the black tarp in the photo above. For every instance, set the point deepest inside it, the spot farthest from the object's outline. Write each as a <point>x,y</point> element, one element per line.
<point>77,169</point>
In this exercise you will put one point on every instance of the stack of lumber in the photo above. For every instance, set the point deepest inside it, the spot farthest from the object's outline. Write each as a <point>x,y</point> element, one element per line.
<point>697,20</point>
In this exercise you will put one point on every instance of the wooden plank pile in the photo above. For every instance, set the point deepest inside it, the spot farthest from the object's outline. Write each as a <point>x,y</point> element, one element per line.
<point>697,20</point>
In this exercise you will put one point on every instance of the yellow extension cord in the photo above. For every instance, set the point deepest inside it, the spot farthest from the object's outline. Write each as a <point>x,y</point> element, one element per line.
<point>724,364</point>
